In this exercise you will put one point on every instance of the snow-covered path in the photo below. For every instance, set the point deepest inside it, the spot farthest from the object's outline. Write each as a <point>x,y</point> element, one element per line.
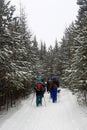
<point>66,114</point>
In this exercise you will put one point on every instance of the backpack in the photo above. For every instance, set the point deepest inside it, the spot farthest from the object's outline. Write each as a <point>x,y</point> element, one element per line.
<point>39,86</point>
<point>54,85</point>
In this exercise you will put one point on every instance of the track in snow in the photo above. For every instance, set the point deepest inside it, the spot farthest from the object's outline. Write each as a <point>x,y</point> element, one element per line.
<point>66,114</point>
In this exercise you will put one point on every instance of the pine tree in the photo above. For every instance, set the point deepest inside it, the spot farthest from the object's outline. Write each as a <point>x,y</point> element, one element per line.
<point>35,57</point>
<point>6,13</point>
<point>56,59</point>
<point>67,50</point>
<point>80,55</point>
<point>6,43</point>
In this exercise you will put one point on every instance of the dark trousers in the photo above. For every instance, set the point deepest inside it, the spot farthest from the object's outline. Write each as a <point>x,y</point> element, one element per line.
<point>38,100</point>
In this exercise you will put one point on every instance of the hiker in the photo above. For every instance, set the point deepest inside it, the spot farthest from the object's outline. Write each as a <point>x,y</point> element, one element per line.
<point>39,89</point>
<point>54,87</point>
<point>49,84</point>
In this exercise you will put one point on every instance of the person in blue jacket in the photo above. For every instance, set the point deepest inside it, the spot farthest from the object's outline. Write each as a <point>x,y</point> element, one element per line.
<point>55,85</point>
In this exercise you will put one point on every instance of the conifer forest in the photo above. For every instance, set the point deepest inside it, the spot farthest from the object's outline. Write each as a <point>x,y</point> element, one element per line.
<point>23,59</point>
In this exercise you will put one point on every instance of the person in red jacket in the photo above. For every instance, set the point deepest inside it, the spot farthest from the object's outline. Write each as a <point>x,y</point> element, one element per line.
<point>39,89</point>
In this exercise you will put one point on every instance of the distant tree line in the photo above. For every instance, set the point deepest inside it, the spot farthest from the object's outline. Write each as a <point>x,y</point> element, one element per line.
<point>22,60</point>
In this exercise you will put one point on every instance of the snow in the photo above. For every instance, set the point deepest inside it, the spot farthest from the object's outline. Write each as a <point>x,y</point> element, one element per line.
<point>66,114</point>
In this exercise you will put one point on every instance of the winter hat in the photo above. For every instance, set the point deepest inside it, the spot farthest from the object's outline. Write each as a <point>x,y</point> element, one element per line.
<point>54,78</point>
<point>40,79</point>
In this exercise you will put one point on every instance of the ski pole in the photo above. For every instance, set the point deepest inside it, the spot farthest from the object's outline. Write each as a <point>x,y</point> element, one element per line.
<point>44,101</point>
<point>32,98</point>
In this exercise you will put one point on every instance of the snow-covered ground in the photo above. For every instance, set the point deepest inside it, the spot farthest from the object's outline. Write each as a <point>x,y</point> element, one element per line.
<point>66,114</point>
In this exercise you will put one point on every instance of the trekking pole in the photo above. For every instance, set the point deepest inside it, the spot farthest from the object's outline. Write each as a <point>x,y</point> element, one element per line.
<point>32,98</point>
<point>44,101</point>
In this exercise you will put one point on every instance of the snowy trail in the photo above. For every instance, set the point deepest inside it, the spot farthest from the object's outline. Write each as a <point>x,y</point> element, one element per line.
<point>66,114</point>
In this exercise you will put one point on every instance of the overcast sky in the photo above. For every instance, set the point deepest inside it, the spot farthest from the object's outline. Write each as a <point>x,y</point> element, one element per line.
<point>48,19</point>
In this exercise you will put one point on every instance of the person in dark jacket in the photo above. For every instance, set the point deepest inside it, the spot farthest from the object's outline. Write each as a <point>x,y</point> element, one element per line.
<point>49,86</point>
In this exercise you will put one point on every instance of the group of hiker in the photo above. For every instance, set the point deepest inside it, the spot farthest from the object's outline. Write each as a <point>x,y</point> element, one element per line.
<point>51,86</point>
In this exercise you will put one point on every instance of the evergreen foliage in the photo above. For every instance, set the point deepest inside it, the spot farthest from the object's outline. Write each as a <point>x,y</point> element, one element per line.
<point>22,60</point>
<point>74,48</point>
